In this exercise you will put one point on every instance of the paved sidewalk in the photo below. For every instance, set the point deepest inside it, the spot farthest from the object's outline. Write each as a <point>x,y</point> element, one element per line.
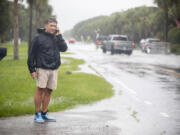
<point>68,123</point>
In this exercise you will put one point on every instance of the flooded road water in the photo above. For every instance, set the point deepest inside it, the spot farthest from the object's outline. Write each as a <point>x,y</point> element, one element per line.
<point>146,99</point>
<point>147,90</point>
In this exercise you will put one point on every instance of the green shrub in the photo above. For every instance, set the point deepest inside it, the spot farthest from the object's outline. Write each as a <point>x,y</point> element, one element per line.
<point>174,36</point>
<point>175,48</point>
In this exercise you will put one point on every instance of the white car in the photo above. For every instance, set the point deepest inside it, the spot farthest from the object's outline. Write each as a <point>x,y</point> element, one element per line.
<point>154,45</point>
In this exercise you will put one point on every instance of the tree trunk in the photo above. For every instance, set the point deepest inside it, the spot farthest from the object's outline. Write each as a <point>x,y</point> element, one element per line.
<point>16,30</point>
<point>37,18</point>
<point>166,24</point>
<point>30,23</point>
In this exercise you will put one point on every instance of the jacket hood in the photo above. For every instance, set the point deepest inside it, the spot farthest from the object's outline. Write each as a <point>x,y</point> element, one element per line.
<point>41,30</point>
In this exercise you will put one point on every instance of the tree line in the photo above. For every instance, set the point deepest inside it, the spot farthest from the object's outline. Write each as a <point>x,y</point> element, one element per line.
<point>140,22</point>
<point>18,21</point>
<point>41,11</point>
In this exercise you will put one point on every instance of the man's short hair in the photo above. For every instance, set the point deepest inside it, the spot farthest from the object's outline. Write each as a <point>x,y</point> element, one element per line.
<point>51,19</point>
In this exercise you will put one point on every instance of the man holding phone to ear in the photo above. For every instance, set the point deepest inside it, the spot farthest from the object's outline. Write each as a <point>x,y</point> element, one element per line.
<point>43,63</point>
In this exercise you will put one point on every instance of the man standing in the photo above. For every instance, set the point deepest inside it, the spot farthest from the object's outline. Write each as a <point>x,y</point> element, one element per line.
<point>43,62</point>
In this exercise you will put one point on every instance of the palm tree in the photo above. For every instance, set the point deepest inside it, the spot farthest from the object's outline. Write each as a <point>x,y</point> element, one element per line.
<point>16,30</point>
<point>30,2</point>
<point>37,4</point>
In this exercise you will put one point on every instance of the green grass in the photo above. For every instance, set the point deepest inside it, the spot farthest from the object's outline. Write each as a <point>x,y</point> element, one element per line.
<point>17,87</point>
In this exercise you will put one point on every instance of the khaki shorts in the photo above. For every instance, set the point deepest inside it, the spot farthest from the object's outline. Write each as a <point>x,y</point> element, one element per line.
<point>47,78</point>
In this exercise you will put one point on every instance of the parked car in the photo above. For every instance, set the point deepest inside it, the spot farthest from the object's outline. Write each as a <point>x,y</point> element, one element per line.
<point>118,44</point>
<point>3,52</point>
<point>154,45</point>
<point>72,41</point>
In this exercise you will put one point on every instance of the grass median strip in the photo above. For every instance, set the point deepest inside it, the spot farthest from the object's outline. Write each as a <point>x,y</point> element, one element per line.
<point>17,87</point>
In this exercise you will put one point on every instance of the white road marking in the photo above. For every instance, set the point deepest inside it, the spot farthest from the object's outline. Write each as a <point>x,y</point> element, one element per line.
<point>123,85</point>
<point>164,114</point>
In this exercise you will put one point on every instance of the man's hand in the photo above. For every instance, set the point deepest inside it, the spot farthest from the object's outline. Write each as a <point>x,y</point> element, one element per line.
<point>33,75</point>
<point>58,31</point>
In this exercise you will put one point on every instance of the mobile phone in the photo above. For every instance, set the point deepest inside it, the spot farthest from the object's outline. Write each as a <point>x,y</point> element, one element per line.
<point>57,31</point>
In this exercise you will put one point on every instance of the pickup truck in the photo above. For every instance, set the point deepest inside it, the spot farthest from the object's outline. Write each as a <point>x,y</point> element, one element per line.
<point>153,45</point>
<point>118,44</point>
<point>3,52</point>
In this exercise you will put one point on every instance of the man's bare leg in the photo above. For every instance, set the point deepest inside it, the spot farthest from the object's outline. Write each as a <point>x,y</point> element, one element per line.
<point>46,99</point>
<point>38,99</point>
<point>45,103</point>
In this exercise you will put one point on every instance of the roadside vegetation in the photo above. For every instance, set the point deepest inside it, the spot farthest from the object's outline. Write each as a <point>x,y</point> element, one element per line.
<point>174,39</point>
<point>17,88</point>
<point>175,48</point>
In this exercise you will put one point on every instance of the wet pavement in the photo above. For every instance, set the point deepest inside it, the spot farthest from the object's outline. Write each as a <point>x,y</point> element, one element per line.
<point>146,99</point>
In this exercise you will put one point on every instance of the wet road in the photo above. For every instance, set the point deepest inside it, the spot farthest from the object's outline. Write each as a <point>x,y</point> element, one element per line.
<point>146,100</point>
<point>147,90</point>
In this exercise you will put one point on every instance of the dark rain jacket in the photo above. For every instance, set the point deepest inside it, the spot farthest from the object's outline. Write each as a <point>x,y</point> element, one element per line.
<point>44,51</point>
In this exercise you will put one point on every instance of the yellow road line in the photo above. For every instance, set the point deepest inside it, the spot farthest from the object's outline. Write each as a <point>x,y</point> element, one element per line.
<point>169,72</point>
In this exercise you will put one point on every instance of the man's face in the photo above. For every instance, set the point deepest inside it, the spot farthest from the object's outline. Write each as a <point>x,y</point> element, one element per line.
<point>51,27</point>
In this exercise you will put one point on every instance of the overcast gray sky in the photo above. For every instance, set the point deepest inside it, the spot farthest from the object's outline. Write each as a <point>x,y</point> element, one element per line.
<point>70,12</point>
